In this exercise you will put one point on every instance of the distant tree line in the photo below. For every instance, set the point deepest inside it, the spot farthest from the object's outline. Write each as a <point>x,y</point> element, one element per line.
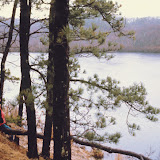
<point>147,35</point>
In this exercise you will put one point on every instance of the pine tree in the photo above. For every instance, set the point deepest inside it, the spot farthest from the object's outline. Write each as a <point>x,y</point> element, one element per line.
<point>109,95</point>
<point>26,90</point>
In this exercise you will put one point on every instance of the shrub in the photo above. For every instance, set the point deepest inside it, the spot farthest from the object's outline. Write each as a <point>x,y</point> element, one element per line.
<point>97,153</point>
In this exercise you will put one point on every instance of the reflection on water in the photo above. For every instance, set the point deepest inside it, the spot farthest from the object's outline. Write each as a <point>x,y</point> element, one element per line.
<point>127,68</point>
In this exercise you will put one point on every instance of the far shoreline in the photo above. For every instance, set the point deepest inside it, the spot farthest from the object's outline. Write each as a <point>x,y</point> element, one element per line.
<point>107,52</point>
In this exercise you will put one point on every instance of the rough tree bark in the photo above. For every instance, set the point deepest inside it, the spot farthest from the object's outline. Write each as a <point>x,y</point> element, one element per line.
<point>50,77</point>
<point>26,91</point>
<point>49,109</point>
<point>47,134</point>
<point>6,50</point>
<point>20,111</point>
<point>59,49</point>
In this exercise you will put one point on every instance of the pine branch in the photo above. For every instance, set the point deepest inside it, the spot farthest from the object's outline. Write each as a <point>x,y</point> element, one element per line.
<point>89,83</point>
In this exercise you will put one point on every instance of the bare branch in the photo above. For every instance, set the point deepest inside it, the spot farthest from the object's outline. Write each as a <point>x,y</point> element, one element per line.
<point>109,149</point>
<point>38,20</point>
<point>9,26</point>
<point>38,31</point>
<point>43,77</point>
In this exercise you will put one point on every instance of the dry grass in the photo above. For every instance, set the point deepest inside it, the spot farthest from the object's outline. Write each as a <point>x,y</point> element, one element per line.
<point>119,157</point>
<point>78,153</point>
<point>11,151</point>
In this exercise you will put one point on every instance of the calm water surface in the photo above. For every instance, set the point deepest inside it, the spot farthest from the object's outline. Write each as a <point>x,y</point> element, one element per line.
<point>127,68</point>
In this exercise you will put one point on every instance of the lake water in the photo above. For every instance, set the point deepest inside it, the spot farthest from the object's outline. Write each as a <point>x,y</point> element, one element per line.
<point>127,68</point>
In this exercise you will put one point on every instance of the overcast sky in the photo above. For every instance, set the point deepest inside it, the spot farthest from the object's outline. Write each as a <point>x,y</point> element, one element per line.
<point>140,8</point>
<point>130,8</point>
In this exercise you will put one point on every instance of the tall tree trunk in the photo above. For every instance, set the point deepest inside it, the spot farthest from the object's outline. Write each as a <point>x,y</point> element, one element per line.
<point>50,77</point>
<point>20,112</point>
<point>47,134</point>
<point>7,47</point>
<point>60,51</point>
<point>49,110</point>
<point>26,91</point>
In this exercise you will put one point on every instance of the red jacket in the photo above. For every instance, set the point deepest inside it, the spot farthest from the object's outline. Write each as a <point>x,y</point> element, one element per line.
<point>2,117</point>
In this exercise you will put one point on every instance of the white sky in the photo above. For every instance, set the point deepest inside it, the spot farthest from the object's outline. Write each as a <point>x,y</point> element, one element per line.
<point>7,11</point>
<point>130,8</point>
<point>140,8</point>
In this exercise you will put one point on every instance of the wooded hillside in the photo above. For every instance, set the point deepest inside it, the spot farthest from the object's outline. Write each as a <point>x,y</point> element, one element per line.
<point>147,35</point>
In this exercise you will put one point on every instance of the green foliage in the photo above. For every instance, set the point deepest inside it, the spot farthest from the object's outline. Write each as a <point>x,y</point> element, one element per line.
<point>12,119</point>
<point>9,77</point>
<point>114,137</point>
<point>28,97</point>
<point>44,40</point>
<point>111,138</point>
<point>132,128</point>
<point>90,136</point>
<point>74,67</point>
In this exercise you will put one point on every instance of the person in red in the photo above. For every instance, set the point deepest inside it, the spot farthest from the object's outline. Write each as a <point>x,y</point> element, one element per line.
<point>2,118</point>
<point>3,126</point>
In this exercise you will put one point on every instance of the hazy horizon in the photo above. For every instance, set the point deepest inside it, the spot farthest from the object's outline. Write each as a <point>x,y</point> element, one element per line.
<point>129,9</point>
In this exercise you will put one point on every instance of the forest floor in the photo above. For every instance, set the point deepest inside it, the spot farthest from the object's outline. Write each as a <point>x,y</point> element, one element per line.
<point>11,151</point>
